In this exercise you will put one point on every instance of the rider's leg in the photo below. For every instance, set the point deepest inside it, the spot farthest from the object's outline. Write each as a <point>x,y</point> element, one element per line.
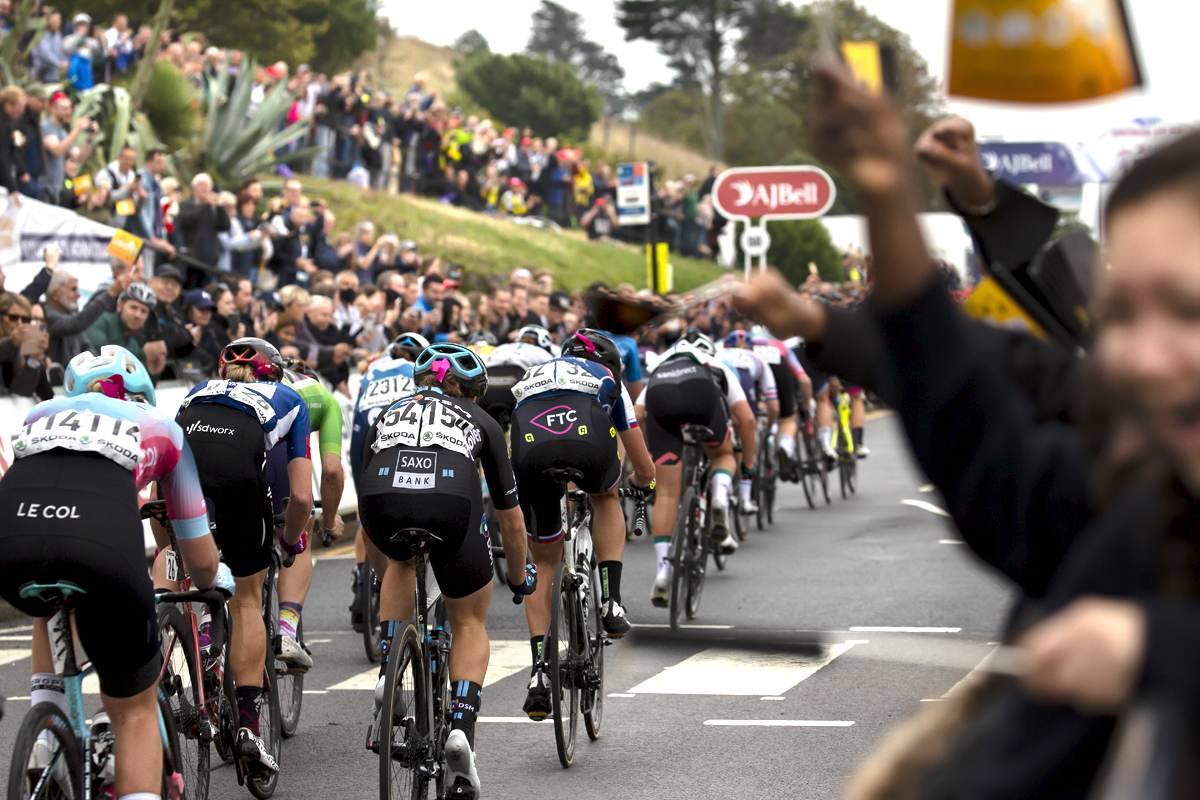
<point>249,646</point>
<point>858,420</point>
<point>379,562</point>
<point>546,556</point>
<point>45,685</point>
<point>294,583</point>
<point>667,480</point>
<point>468,657</point>
<point>608,532</point>
<point>137,746</point>
<point>724,465</point>
<point>825,420</point>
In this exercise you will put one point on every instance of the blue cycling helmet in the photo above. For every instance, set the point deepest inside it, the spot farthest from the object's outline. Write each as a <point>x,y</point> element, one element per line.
<point>122,373</point>
<point>738,339</point>
<point>408,346</point>
<point>454,359</point>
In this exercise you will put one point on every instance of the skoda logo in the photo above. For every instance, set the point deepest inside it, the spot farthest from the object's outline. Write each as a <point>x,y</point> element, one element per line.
<point>19,444</point>
<point>562,380</point>
<point>428,435</point>
<point>85,439</point>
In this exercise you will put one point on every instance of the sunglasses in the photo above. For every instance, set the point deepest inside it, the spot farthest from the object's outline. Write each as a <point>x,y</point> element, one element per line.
<point>18,318</point>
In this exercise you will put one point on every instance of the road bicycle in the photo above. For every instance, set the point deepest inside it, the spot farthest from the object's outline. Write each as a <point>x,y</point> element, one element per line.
<point>691,541</point>
<point>74,761</point>
<point>764,478</point>
<point>372,631</point>
<point>573,650</point>
<point>810,462</point>
<point>843,445</point>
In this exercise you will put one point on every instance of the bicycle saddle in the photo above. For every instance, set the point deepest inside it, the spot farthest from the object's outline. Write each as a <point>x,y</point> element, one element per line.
<point>698,432</point>
<point>49,592</point>
<point>415,536</point>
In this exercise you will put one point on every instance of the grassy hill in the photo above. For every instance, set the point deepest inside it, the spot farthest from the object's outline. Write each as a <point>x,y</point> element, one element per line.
<point>674,159</point>
<point>486,244</point>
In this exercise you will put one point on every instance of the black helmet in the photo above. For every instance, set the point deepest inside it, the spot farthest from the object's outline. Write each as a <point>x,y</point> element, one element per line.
<point>594,345</point>
<point>481,337</point>
<point>299,367</point>
<point>407,345</point>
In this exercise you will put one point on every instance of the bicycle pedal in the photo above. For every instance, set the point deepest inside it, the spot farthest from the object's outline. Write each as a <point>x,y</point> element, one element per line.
<point>372,745</point>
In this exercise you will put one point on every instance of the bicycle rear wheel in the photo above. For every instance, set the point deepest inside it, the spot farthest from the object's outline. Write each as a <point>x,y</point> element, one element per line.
<point>179,688</point>
<point>681,561</point>
<point>227,710</point>
<point>701,543</point>
<point>269,715</point>
<point>371,629</point>
<point>173,783</point>
<point>563,648</point>
<point>403,726</point>
<point>291,691</point>
<point>62,776</point>
<point>740,521</point>
<point>592,700</point>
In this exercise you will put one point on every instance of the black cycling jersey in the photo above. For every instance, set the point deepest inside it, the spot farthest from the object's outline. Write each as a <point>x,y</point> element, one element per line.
<point>420,470</point>
<point>60,527</point>
<point>498,400</point>
<point>682,392</point>
<point>820,380</point>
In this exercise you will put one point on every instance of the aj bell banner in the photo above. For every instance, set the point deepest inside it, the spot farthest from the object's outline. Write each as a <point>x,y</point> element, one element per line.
<point>28,229</point>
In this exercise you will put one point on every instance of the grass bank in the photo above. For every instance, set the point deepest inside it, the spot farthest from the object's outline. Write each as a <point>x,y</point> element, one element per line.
<point>488,245</point>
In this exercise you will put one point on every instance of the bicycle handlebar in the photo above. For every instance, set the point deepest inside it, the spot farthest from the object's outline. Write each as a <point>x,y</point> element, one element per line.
<point>639,509</point>
<point>498,552</point>
<point>215,599</point>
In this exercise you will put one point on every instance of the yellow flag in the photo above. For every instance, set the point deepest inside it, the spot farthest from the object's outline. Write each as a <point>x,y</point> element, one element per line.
<point>862,58</point>
<point>992,304</point>
<point>1041,51</point>
<point>82,184</point>
<point>126,207</point>
<point>125,246</point>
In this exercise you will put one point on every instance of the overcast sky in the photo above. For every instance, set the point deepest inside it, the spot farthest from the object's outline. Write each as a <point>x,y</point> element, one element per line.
<point>1166,32</point>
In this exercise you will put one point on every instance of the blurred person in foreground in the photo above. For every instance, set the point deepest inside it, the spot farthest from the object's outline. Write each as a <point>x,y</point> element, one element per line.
<point>1110,614</point>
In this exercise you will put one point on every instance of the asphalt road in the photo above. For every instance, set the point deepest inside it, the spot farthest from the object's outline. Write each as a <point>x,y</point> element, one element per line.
<point>695,720</point>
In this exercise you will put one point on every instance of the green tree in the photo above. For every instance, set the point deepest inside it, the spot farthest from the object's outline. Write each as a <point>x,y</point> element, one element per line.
<point>472,41</point>
<point>546,96</point>
<point>349,31</point>
<point>796,243</point>
<point>845,202</point>
<point>557,35</point>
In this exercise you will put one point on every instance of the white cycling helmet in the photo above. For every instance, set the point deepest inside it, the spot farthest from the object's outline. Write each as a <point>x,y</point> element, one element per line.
<point>699,340</point>
<point>536,334</point>
<point>113,362</point>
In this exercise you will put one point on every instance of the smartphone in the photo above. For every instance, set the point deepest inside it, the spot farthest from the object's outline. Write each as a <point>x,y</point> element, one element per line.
<point>369,322</point>
<point>39,325</point>
<point>234,319</point>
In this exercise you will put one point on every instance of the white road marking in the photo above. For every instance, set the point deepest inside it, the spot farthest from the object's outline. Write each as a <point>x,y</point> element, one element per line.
<point>697,627</point>
<point>16,629</point>
<point>780,723</point>
<point>16,638</point>
<point>12,656</point>
<point>320,691</point>
<point>902,629</point>
<point>971,677</point>
<point>334,557</point>
<point>921,504</point>
<point>738,672</point>
<point>858,641</point>
<point>20,697</point>
<point>508,658</point>
<point>772,698</point>
<point>317,641</point>
<point>517,720</point>
<point>622,694</point>
<point>933,700</point>
<point>950,541</point>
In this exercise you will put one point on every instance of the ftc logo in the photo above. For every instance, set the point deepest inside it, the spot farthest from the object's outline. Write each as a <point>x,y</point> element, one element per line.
<point>557,420</point>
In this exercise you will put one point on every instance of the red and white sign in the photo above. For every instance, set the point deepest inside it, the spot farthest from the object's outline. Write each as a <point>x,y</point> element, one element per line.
<point>773,192</point>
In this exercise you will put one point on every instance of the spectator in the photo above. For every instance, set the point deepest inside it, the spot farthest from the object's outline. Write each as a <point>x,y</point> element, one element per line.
<point>544,281</point>
<point>67,324</point>
<point>600,220</point>
<point>226,324</point>
<point>283,336</point>
<point>324,343</point>
<point>539,308</point>
<point>329,253</point>
<point>558,307</point>
<point>432,292</point>
<point>58,143</point>
<point>238,243</point>
<point>48,58</point>
<point>125,325</point>
<point>294,301</point>
<point>513,200</point>
<point>80,69</point>
<point>34,153</point>
<point>148,221</point>
<point>707,187</point>
<point>200,220</point>
<point>690,233</point>
<point>292,260</point>
<point>499,321</point>
<point>366,249</point>
<point>167,321</point>
<point>12,140</point>
<point>520,308</point>
<point>243,295</point>
<point>521,277</point>
<point>123,182</point>
<point>198,306</point>
<point>346,315</point>
<point>23,348</point>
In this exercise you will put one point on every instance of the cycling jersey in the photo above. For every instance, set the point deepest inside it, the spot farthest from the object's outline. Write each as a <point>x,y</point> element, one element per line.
<point>687,389</point>
<point>324,411</point>
<point>673,365</point>
<point>757,380</point>
<point>571,375</point>
<point>421,469</point>
<point>386,380</point>
<point>135,435</point>
<point>521,354</point>
<point>786,369</point>
<point>631,364</point>
<point>279,409</point>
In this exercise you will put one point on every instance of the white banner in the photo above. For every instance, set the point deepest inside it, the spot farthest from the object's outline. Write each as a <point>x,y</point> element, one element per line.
<point>27,229</point>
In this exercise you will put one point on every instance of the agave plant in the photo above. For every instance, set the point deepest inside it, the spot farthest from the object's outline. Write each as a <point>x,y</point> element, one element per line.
<point>236,143</point>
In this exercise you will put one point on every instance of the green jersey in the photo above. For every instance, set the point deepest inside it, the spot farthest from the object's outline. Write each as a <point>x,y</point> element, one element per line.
<point>324,411</point>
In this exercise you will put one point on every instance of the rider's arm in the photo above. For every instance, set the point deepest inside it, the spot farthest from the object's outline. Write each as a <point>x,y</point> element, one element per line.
<point>189,518</point>
<point>743,419</point>
<point>333,476</point>
<point>295,516</point>
<point>502,484</point>
<point>769,391</point>
<point>626,423</point>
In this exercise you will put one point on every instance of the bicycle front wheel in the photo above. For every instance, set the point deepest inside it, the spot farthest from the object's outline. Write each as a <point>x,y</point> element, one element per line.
<point>592,701</point>
<point>179,686</point>
<point>173,784</point>
<point>56,771</point>
<point>372,631</point>
<point>403,725</point>
<point>681,561</point>
<point>700,543</point>
<point>269,727</point>
<point>291,691</point>
<point>563,649</point>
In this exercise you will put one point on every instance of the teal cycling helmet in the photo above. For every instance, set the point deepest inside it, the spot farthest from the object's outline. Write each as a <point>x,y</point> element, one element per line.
<point>453,359</point>
<point>407,346</point>
<point>122,373</point>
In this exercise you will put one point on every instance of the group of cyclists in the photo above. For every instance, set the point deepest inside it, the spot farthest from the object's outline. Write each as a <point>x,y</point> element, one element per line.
<point>429,422</point>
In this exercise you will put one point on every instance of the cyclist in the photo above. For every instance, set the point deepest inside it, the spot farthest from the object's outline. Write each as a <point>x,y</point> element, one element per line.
<point>820,384</point>
<point>631,363</point>
<point>325,418</point>
<point>758,383</point>
<point>569,413</point>
<point>507,364</point>
<point>690,386</point>
<point>436,487</point>
<point>231,425</point>
<point>482,342</point>
<point>71,495</point>
<point>791,380</point>
<point>387,379</point>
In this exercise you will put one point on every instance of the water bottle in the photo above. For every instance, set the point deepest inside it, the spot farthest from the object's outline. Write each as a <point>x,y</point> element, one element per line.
<point>103,740</point>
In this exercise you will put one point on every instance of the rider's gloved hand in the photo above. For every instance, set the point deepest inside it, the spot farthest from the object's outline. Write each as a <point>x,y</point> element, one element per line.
<point>224,580</point>
<point>644,492</point>
<point>528,586</point>
<point>749,472</point>
<point>295,549</point>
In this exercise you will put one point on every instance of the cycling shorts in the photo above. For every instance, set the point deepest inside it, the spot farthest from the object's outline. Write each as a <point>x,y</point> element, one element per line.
<point>74,517</point>
<point>670,406</point>
<point>498,400</point>
<point>363,420</point>
<point>567,430</point>
<point>228,445</point>
<point>438,490</point>
<point>852,390</point>
<point>788,388</point>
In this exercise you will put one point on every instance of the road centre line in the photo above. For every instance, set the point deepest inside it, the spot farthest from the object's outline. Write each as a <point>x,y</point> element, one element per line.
<point>780,723</point>
<point>721,671</point>
<point>930,507</point>
<point>683,627</point>
<point>901,629</point>
<point>950,541</point>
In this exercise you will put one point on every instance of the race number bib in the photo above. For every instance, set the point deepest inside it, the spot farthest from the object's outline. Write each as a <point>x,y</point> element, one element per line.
<point>85,432</point>
<point>557,376</point>
<point>768,354</point>
<point>243,394</point>
<point>385,391</point>
<point>427,422</point>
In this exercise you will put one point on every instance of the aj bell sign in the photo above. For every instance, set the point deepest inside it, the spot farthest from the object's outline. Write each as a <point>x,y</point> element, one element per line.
<point>773,192</point>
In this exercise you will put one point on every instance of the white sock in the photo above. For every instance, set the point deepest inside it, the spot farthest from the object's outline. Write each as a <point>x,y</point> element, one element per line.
<point>826,435</point>
<point>663,551</point>
<point>744,486</point>
<point>721,481</point>
<point>140,796</point>
<point>787,443</point>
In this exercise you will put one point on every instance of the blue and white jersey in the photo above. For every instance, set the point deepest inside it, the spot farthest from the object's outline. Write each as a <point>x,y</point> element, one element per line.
<point>387,380</point>
<point>758,382</point>
<point>567,374</point>
<point>280,410</point>
<point>521,354</point>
